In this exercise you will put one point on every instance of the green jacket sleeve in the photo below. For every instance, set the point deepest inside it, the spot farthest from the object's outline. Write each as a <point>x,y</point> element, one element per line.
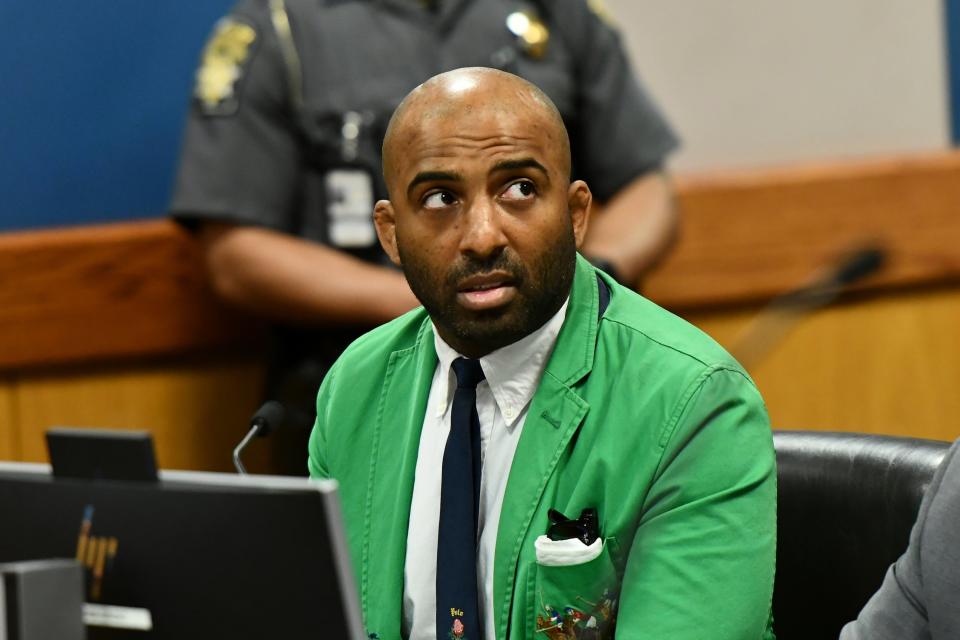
<point>317,463</point>
<point>702,561</point>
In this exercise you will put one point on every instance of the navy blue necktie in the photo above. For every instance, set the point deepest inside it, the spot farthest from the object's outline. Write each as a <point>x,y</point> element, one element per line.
<point>457,600</point>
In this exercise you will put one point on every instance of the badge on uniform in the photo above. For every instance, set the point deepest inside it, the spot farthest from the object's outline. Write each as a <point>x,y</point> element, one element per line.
<point>349,196</point>
<point>531,31</point>
<point>221,66</point>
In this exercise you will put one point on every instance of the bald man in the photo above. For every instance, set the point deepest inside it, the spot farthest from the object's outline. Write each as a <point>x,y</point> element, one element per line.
<point>537,452</point>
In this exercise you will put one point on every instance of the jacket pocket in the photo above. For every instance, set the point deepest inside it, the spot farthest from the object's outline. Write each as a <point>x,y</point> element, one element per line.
<point>575,602</point>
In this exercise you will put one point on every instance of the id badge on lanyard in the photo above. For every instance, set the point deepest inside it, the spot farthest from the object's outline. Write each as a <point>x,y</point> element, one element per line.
<point>350,200</point>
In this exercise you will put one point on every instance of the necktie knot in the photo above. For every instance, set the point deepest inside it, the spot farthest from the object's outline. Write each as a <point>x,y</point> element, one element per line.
<point>468,372</point>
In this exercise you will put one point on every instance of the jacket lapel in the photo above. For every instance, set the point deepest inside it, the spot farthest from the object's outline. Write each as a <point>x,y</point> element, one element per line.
<point>555,413</point>
<point>399,421</point>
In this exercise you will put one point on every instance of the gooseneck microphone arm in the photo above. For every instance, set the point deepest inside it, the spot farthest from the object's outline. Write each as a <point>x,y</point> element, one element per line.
<point>242,470</point>
<point>770,325</point>
<point>267,418</point>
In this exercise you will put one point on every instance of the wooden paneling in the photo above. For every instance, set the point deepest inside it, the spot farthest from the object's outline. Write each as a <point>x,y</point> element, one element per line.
<point>888,364</point>
<point>751,235</point>
<point>138,289</point>
<point>106,292</point>
<point>197,410</point>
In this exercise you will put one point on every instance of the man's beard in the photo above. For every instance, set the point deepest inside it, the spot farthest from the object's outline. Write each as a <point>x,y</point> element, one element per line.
<point>541,291</point>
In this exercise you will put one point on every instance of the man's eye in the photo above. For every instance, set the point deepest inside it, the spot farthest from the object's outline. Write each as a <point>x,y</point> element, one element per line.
<point>520,190</point>
<point>439,200</point>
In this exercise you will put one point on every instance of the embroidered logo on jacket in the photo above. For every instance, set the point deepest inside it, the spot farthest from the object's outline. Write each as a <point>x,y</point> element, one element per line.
<point>587,621</point>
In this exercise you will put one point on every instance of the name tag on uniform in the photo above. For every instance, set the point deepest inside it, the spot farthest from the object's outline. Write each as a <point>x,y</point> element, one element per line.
<point>350,208</point>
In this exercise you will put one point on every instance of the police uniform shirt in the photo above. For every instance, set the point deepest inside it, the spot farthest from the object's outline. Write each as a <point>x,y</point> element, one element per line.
<point>292,100</point>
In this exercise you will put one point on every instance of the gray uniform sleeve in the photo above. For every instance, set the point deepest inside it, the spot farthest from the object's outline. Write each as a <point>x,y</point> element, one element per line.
<point>900,610</point>
<point>240,159</point>
<point>620,134</point>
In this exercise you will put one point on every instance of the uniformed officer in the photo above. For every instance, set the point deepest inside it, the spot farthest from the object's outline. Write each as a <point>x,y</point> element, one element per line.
<point>280,167</point>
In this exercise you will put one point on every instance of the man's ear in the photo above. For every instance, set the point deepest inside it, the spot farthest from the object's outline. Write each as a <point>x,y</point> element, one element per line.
<point>579,200</point>
<point>386,224</point>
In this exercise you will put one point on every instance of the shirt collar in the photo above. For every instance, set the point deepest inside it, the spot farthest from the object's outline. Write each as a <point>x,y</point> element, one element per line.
<point>513,372</point>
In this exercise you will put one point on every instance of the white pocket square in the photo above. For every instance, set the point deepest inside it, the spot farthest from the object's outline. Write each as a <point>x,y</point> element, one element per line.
<point>565,553</point>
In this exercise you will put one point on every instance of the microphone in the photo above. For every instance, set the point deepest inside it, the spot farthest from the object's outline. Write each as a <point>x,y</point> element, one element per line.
<point>783,312</point>
<point>859,265</point>
<point>267,419</point>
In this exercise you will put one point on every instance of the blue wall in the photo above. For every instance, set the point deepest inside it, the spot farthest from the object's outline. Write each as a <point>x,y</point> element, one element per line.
<point>952,21</point>
<point>93,96</point>
<point>92,101</point>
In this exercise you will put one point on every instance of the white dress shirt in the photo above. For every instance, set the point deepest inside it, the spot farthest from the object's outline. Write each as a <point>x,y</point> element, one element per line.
<point>512,376</point>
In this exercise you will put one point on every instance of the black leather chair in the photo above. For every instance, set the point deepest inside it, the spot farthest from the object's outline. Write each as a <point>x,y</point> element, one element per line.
<point>846,504</point>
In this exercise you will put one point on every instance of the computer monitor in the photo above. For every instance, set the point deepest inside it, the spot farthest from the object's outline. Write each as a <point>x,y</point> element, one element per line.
<point>195,555</point>
<point>102,454</point>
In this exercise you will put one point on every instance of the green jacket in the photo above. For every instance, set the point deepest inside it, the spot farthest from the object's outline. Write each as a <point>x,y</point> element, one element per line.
<point>639,415</point>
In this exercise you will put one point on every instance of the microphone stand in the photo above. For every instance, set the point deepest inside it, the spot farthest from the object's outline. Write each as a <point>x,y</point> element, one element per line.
<point>267,418</point>
<point>254,431</point>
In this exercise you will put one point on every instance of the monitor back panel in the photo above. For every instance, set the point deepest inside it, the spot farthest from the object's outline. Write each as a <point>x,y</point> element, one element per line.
<point>207,562</point>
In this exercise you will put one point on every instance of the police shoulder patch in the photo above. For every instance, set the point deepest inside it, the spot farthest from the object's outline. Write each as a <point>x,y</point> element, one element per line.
<point>222,65</point>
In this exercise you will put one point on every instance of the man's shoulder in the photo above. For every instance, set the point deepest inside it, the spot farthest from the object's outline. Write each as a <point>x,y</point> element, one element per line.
<point>288,5</point>
<point>399,334</point>
<point>256,10</point>
<point>652,332</point>
<point>271,10</point>
<point>944,495</point>
<point>310,9</point>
